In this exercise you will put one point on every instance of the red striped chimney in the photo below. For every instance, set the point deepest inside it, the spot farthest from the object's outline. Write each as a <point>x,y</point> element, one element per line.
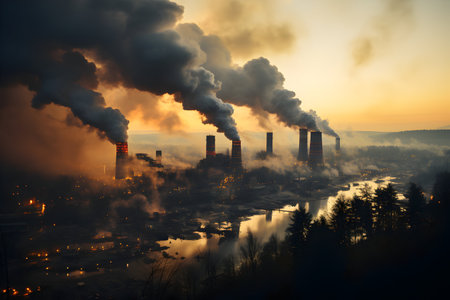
<point>236,155</point>
<point>210,146</point>
<point>315,149</point>
<point>121,159</point>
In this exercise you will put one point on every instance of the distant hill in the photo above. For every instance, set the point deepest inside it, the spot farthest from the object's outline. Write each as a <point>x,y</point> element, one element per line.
<point>439,137</point>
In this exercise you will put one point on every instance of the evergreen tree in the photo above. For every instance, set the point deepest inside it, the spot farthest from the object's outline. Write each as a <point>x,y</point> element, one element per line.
<point>320,232</point>
<point>355,212</point>
<point>416,205</point>
<point>440,201</point>
<point>387,210</point>
<point>340,220</point>
<point>366,213</point>
<point>298,229</point>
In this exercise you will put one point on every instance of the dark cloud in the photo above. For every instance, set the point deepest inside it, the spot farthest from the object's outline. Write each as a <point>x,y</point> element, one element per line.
<point>44,42</point>
<point>257,85</point>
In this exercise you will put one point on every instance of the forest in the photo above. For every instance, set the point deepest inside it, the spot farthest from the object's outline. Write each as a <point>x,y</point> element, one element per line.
<point>369,246</point>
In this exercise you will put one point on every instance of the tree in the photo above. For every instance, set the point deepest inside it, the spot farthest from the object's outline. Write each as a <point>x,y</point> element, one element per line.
<point>298,229</point>
<point>355,212</point>
<point>250,253</point>
<point>416,205</point>
<point>366,193</point>
<point>361,218</point>
<point>270,251</point>
<point>320,232</point>
<point>340,220</point>
<point>440,200</point>
<point>441,190</point>
<point>387,210</point>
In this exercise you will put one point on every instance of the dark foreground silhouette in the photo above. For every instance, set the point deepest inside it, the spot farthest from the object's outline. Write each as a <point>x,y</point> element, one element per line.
<point>371,246</point>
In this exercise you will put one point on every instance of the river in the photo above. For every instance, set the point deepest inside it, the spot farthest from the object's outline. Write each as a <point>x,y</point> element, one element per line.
<point>262,225</point>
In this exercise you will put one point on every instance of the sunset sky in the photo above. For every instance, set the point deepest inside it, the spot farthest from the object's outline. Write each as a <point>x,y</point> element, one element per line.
<point>363,65</point>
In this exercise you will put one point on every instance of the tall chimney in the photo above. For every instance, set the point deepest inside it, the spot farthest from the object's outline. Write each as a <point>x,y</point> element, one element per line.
<point>121,159</point>
<point>303,145</point>
<point>315,149</point>
<point>236,156</point>
<point>210,146</point>
<point>158,156</point>
<point>338,144</point>
<point>269,143</point>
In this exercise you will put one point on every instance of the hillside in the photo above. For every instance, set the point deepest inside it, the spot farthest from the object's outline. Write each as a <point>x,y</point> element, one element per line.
<point>429,137</point>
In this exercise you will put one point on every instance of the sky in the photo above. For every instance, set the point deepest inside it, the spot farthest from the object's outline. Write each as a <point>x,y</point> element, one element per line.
<point>361,64</point>
<point>74,73</point>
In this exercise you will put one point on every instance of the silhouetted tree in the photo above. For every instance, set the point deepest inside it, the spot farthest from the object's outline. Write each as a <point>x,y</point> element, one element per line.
<point>387,210</point>
<point>320,232</point>
<point>250,253</point>
<point>355,212</point>
<point>340,220</point>
<point>270,251</point>
<point>441,190</point>
<point>297,231</point>
<point>416,205</point>
<point>440,201</point>
<point>229,267</point>
<point>366,192</point>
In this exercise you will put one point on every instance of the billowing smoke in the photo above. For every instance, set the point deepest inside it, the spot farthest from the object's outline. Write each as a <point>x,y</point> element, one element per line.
<point>250,27</point>
<point>45,45</point>
<point>323,125</point>
<point>257,85</point>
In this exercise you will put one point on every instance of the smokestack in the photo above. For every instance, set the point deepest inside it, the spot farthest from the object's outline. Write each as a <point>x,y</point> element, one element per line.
<point>210,146</point>
<point>315,149</point>
<point>158,156</point>
<point>303,145</point>
<point>236,156</point>
<point>338,144</point>
<point>269,143</point>
<point>121,159</point>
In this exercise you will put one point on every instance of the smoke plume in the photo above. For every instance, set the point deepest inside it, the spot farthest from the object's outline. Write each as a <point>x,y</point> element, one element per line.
<point>382,30</point>
<point>49,141</point>
<point>250,27</point>
<point>323,125</point>
<point>257,85</point>
<point>45,44</point>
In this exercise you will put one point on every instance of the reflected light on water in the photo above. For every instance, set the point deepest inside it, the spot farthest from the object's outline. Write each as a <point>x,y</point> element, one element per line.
<point>263,225</point>
<point>190,248</point>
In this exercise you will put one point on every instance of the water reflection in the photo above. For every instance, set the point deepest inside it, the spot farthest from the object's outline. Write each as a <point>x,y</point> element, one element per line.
<point>270,222</point>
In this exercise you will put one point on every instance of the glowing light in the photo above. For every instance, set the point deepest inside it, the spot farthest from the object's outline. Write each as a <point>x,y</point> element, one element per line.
<point>27,291</point>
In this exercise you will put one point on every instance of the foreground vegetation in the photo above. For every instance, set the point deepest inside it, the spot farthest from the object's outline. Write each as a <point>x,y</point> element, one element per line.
<point>370,246</point>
